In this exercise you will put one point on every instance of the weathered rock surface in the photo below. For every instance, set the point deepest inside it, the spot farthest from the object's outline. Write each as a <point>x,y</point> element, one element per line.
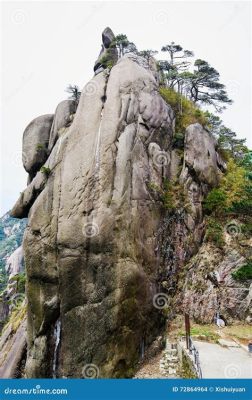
<point>200,173</point>
<point>62,119</point>
<point>15,263</point>
<point>209,287</point>
<point>150,65</point>
<point>107,37</point>
<point>26,199</point>
<point>35,143</point>
<point>41,135</point>
<point>200,155</point>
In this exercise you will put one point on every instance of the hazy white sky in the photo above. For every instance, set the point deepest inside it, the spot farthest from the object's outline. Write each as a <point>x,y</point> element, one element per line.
<point>47,45</point>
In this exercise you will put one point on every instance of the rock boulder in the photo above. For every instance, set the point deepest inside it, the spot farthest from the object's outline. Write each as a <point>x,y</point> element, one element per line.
<point>35,143</point>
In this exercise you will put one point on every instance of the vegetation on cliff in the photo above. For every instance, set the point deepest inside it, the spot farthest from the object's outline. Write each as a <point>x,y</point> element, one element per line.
<point>11,236</point>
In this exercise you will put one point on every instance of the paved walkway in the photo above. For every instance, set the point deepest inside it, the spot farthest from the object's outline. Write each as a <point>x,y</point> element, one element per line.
<point>221,362</point>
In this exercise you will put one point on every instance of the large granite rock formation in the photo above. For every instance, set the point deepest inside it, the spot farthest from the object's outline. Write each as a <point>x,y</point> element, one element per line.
<point>100,246</point>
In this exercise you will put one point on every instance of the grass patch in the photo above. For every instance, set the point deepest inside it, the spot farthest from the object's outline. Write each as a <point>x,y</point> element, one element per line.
<point>242,332</point>
<point>215,232</point>
<point>244,273</point>
<point>207,331</point>
<point>210,331</point>
<point>202,332</point>
<point>16,317</point>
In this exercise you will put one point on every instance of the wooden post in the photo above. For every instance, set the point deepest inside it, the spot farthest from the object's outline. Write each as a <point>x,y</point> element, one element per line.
<point>187,329</point>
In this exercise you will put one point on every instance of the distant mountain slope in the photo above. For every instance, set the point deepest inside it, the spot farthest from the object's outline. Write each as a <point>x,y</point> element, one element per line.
<point>11,236</point>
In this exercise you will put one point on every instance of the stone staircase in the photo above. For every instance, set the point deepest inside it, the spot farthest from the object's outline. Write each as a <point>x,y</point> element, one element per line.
<point>169,363</point>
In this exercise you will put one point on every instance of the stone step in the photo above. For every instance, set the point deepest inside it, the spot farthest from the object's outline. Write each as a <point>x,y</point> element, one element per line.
<point>175,365</point>
<point>167,358</point>
<point>171,350</point>
<point>170,346</point>
<point>170,356</point>
<point>168,364</point>
<point>169,371</point>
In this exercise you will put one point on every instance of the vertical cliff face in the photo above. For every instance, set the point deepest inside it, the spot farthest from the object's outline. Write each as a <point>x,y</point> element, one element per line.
<point>100,245</point>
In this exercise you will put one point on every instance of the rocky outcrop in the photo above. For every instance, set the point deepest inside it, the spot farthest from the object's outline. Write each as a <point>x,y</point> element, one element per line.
<point>11,261</point>
<point>201,158</point>
<point>149,64</point>
<point>182,229</point>
<point>200,171</point>
<point>63,118</point>
<point>13,347</point>
<point>35,143</point>
<point>108,52</point>
<point>100,244</point>
<point>41,135</point>
<point>10,295</point>
<point>48,133</point>
<point>206,282</point>
<point>209,287</point>
<point>15,263</point>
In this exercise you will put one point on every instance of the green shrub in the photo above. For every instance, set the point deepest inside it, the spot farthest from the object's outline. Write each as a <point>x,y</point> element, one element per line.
<point>20,279</point>
<point>107,61</point>
<point>3,280</point>
<point>171,194</point>
<point>40,146</point>
<point>214,232</point>
<point>223,153</point>
<point>247,229</point>
<point>234,183</point>
<point>185,110</point>
<point>215,202</point>
<point>168,199</point>
<point>45,170</point>
<point>243,273</point>
<point>243,207</point>
<point>178,140</point>
<point>234,193</point>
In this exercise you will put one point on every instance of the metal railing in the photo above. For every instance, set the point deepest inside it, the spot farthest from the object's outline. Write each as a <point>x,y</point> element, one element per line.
<point>195,355</point>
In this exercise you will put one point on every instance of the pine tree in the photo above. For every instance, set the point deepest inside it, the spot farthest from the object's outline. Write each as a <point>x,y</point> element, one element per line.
<point>123,45</point>
<point>205,86</point>
<point>74,92</point>
<point>148,54</point>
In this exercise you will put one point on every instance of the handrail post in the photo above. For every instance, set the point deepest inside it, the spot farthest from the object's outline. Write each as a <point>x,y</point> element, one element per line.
<point>187,329</point>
